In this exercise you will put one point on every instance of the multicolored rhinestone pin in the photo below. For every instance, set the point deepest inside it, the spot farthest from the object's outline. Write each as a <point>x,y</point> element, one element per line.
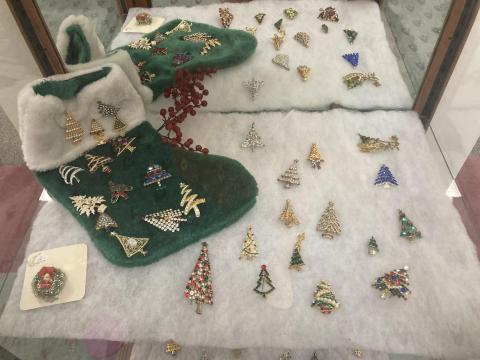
<point>160,51</point>
<point>408,230</point>
<point>181,58</point>
<point>118,191</point>
<point>303,38</point>
<point>226,17</point>
<point>393,283</point>
<point>352,58</point>
<point>351,35</point>
<point>253,86</point>
<point>48,283</point>
<point>259,17</point>
<point>155,175</point>
<point>282,60</point>
<point>328,14</point>
<point>304,72</point>
<point>143,18</point>
<point>290,13</point>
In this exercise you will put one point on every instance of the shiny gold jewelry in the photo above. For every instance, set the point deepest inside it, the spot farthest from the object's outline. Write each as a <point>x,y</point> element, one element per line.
<point>226,17</point>
<point>259,17</point>
<point>304,72</point>
<point>278,39</point>
<point>190,202</point>
<point>141,44</point>
<point>303,38</point>
<point>171,347</point>
<point>208,40</point>
<point>73,130</point>
<point>97,131</point>
<point>329,225</point>
<point>166,220</point>
<point>314,157</point>
<point>282,60</point>
<point>183,26</point>
<point>290,176</point>
<point>131,245</point>
<point>288,216</point>
<point>252,30</point>
<point>290,13</point>
<point>98,162</point>
<point>357,353</point>
<point>355,79</point>
<point>369,144</point>
<point>88,205</point>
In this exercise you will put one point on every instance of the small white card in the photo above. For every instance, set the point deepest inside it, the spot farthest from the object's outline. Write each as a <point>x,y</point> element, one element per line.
<point>133,27</point>
<point>72,260</point>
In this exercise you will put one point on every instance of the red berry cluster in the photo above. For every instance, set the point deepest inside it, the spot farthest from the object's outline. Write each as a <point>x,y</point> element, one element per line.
<point>188,93</point>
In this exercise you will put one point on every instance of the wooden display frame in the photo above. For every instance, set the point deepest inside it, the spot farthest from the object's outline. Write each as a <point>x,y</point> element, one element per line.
<point>450,43</point>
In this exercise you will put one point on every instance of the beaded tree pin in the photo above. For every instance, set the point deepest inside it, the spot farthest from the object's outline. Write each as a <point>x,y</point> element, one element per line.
<point>385,178</point>
<point>253,140</point>
<point>226,17</point>
<point>112,111</point>
<point>166,220</point>
<point>249,247</point>
<point>264,284</point>
<point>73,130</point>
<point>373,247</point>
<point>408,230</point>
<point>199,285</point>
<point>97,131</point>
<point>188,94</point>
<point>393,283</point>
<point>288,216</point>
<point>314,157</point>
<point>296,261</point>
<point>324,298</point>
<point>96,162</point>
<point>290,176</point>
<point>329,225</point>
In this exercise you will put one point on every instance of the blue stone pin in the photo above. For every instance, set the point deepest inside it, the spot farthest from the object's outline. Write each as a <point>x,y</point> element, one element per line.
<point>385,177</point>
<point>352,58</point>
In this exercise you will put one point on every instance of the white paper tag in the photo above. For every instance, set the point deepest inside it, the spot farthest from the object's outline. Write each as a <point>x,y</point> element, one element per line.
<point>72,260</point>
<point>133,27</point>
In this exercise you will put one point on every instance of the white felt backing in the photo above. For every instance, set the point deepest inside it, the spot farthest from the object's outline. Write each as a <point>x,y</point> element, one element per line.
<point>283,89</point>
<point>441,318</point>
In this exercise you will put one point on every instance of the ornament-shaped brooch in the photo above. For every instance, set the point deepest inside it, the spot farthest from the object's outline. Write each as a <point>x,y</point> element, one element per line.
<point>226,17</point>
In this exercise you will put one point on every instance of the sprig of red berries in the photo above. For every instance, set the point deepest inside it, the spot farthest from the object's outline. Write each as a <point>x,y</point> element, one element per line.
<point>188,93</point>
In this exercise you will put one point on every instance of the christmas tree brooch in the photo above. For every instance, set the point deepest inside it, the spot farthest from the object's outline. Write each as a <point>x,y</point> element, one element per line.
<point>98,162</point>
<point>385,177</point>
<point>328,224</point>
<point>172,348</point>
<point>408,230</point>
<point>131,245</point>
<point>304,72</point>
<point>190,201</point>
<point>357,78</point>
<point>282,60</point>
<point>328,14</point>
<point>352,58</point>
<point>122,144</point>
<point>288,216</point>
<point>73,130</point>
<point>278,24</point>
<point>166,220</point>
<point>303,38</point>
<point>208,41</point>
<point>278,39</point>
<point>249,246</point>
<point>315,158</point>
<point>253,87</point>
<point>296,261</point>
<point>69,173</point>
<point>89,205</point>
<point>259,17</point>
<point>324,298</point>
<point>155,175</point>
<point>226,17</point>
<point>373,247</point>
<point>393,283</point>
<point>118,191</point>
<point>351,35</point>
<point>290,176</point>
<point>264,283</point>
<point>253,140</point>
<point>369,144</point>
<point>199,285</point>
<point>107,110</point>
<point>97,131</point>
<point>290,13</point>
<point>286,356</point>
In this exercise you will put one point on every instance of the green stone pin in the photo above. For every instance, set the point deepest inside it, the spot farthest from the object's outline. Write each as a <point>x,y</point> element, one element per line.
<point>278,24</point>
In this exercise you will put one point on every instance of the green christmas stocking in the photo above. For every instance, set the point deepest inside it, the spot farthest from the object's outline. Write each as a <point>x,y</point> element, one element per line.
<point>158,199</point>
